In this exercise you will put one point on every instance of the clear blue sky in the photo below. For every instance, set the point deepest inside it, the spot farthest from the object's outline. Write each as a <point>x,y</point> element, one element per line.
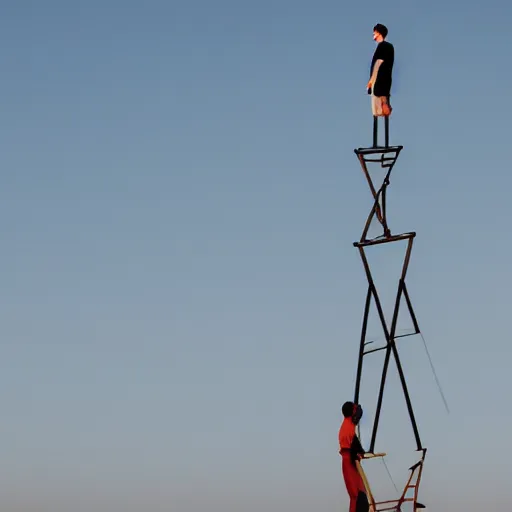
<point>180,298</point>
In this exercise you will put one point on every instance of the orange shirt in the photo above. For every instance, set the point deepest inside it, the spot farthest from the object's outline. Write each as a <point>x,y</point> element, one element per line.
<point>346,434</point>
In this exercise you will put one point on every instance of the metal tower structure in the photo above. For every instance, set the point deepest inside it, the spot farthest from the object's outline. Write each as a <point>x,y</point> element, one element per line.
<point>385,158</point>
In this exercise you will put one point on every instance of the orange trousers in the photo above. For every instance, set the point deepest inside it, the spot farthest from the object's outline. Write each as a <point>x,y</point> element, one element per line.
<point>354,484</point>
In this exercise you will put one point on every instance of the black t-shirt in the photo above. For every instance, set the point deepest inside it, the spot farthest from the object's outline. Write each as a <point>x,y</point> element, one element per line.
<point>385,52</point>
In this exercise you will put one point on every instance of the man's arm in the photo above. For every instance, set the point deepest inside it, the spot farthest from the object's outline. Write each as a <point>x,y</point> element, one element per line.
<point>373,78</point>
<point>356,448</point>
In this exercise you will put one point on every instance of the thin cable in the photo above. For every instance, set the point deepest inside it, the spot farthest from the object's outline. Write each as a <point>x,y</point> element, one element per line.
<point>434,373</point>
<point>389,474</point>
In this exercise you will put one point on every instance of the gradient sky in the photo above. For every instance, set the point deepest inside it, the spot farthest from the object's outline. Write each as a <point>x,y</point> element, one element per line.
<point>181,301</point>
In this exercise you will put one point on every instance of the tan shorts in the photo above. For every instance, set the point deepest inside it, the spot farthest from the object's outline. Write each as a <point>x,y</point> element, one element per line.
<point>377,103</point>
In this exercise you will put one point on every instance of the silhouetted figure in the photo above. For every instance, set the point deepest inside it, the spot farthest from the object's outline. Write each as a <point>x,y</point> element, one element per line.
<point>350,451</point>
<point>381,77</point>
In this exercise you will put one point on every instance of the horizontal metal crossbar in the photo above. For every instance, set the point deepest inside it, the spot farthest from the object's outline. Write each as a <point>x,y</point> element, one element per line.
<point>384,347</point>
<point>375,151</point>
<point>366,352</point>
<point>385,239</point>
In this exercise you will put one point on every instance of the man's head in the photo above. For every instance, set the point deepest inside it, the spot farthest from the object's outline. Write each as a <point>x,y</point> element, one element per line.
<point>351,410</point>
<point>348,409</point>
<point>380,32</point>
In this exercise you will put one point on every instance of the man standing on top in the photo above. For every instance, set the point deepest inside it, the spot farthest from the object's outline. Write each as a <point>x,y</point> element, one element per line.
<point>350,451</point>
<point>379,85</point>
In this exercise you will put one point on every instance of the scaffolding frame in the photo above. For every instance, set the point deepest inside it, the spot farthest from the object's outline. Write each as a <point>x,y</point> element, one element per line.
<point>386,157</point>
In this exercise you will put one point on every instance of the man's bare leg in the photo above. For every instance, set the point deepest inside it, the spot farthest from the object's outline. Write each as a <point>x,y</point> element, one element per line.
<point>386,112</point>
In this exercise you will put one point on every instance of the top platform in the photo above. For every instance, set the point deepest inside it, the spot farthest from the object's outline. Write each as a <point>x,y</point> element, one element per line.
<point>377,150</point>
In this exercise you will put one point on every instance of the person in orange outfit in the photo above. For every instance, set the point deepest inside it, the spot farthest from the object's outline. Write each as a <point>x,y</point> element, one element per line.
<point>350,451</point>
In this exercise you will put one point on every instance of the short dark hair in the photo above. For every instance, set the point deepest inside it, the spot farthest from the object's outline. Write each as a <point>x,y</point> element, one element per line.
<point>381,29</point>
<point>348,409</point>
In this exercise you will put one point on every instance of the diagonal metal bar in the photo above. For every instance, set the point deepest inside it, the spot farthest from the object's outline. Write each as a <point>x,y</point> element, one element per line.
<point>376,205</point>
<point>377,210</point>
<point>393,347</point>
<point>411,311</point>
<point>390,346</point>
<point>362,344</point>
<point>382,318</point>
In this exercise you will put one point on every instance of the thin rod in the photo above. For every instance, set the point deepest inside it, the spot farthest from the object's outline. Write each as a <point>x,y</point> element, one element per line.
<point>411,310</point>
<point>384,220</point>
<point>381,395</point>
<point>374,292</point>
<point>385,329</point>
<point>375,194</point>
<point>391,347</point>
<point>375,208</point>
<point>395,350</point>
<point>362,344</point>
